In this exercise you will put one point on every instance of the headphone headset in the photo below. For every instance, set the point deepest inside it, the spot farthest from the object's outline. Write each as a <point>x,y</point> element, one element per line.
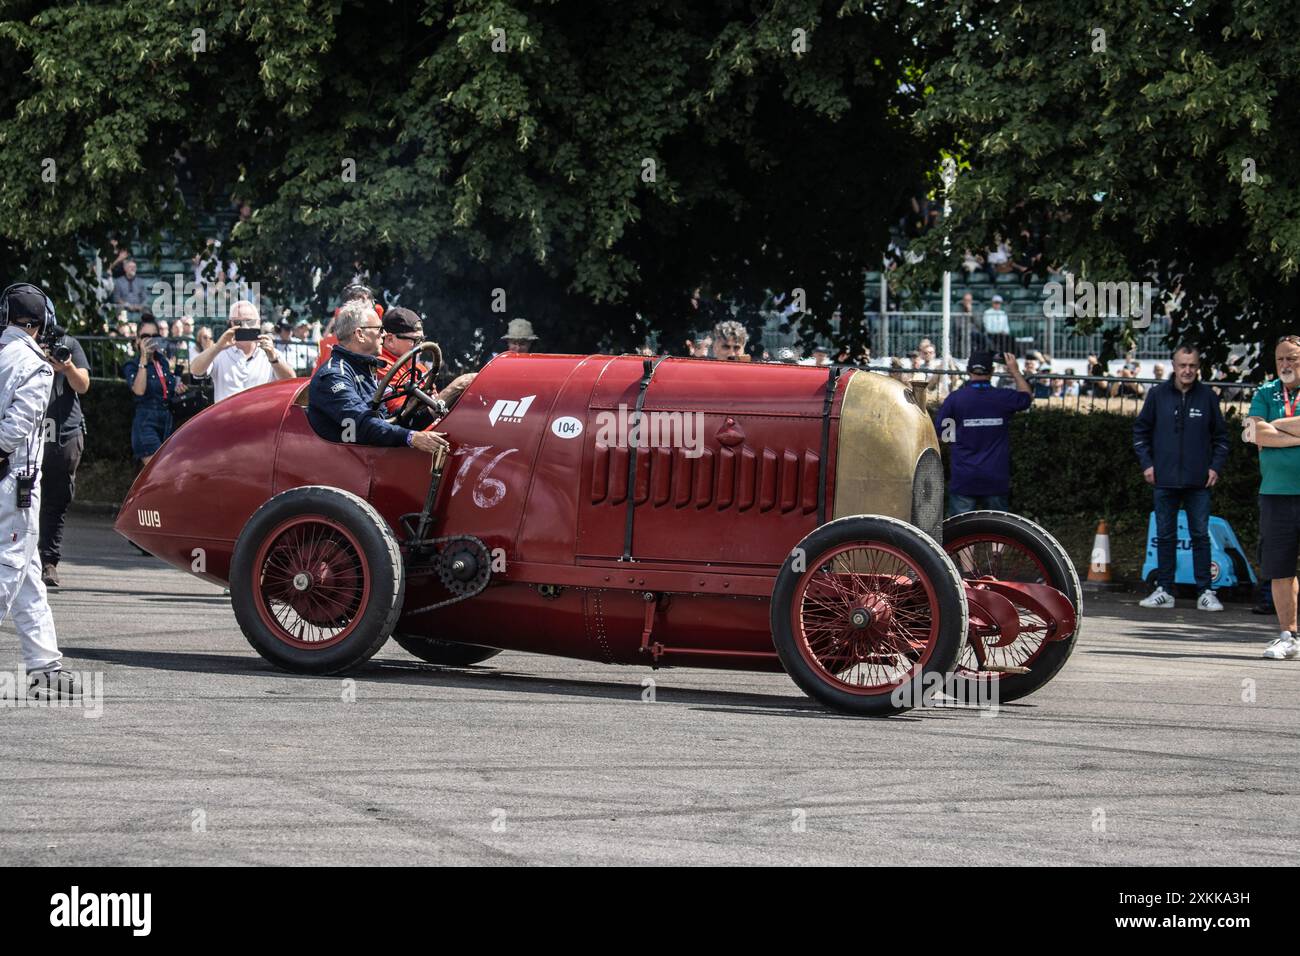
<point>356,289</point>
<point>47,323</point>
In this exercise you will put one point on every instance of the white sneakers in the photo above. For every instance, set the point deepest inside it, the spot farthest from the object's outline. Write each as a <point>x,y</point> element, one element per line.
<point>1162,598</point>
<point>1158,598</point>
<point>1285,648</point>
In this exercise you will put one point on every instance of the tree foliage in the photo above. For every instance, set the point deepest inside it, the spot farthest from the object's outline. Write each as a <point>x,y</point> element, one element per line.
<point>1152,138</point>
<point>596,162</point>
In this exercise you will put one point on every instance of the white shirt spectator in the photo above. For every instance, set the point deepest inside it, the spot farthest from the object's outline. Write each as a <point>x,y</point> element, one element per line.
<point>300,355</point>
<point>996,322</point>
<point>234,372</point>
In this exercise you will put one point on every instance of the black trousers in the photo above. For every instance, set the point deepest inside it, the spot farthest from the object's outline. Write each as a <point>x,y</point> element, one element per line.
<point>58,483</point>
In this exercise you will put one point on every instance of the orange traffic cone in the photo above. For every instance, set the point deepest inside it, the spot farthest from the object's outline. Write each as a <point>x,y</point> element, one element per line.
<point>1099,566</point>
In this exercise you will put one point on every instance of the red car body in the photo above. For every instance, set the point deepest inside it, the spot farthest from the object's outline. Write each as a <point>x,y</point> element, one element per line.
<point>540,475</point>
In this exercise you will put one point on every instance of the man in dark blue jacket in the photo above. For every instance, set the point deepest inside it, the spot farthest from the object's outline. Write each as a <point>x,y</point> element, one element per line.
<point>976,420</point>
<point>1181,442</point>
<point>338,399</point>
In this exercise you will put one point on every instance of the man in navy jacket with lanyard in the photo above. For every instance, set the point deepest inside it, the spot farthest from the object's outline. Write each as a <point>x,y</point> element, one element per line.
<point>976,421</point>
<point>1181,441</point>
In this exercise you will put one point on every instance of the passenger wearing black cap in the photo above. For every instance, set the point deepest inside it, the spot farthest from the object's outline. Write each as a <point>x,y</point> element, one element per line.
<point>975,421</point>
<point>403,331</point>
<point>26,379</point>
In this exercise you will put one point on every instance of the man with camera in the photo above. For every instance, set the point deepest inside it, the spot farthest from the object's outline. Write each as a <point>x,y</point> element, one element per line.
<point>26,377</point>
<point>242,358</point>
<point>64,441</point>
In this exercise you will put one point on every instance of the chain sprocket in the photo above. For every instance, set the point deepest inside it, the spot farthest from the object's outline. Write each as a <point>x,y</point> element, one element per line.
<point>463,565</point>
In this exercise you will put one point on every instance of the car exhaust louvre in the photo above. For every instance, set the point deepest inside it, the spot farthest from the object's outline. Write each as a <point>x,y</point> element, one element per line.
<point>642,491</point>
<point>662,473</point>
<point>808,481</point>
<point>683,479</point>
<point>726,478</point>
<point>600,473</point>
<point>741,477</point>
<point>767,481</point>
<point>789,480</point>
<point>704,479</point>
<point>745,500</point>
<point>618,462</point>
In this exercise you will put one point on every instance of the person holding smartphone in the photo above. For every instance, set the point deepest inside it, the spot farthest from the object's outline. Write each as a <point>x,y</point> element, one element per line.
<point>242,358</point>
<point>152,383</point>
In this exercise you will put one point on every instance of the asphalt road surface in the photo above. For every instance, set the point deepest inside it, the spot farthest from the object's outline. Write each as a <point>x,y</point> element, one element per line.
<point>1165,740</point>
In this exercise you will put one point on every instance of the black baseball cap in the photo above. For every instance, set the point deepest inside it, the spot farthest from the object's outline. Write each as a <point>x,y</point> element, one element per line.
<point>26,305</point>
<point>980,362</point>
<point>402,321</point>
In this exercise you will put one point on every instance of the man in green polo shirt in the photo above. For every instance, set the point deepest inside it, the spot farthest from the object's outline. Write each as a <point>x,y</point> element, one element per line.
<point>1273,424</point>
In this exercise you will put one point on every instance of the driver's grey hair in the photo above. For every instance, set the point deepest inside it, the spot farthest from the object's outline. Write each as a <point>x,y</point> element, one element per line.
<point>731,329</point>
<point>353,315</point>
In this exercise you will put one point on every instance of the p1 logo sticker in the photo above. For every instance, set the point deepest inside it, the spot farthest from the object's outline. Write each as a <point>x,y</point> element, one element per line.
<point>567,427</point>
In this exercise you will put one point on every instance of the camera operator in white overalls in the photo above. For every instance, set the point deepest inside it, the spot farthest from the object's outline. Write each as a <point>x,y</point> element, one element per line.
<point>26,377</point>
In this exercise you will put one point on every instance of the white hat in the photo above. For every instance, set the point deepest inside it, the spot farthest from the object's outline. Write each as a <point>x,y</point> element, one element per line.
<point>519,329</point>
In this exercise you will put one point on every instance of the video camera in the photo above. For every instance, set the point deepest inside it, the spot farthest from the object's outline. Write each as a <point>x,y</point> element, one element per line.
<point>52,340</point>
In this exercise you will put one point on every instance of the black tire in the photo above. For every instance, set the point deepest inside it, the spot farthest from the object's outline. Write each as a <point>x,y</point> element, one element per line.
<point>367,559</point>
<point>944,644</point>
<point>1060,575</point>
<point>1245,588</point>
<point>446,653</point>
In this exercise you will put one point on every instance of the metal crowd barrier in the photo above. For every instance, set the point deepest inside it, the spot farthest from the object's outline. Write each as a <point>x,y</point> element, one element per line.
<point>1081,393</point>
<point>900,333</point>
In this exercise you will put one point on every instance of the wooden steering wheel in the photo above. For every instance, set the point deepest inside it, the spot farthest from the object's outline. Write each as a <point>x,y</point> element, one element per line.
<point>417,388</point>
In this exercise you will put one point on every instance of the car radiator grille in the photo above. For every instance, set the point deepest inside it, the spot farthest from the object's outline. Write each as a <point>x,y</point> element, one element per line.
<point>927,494</point>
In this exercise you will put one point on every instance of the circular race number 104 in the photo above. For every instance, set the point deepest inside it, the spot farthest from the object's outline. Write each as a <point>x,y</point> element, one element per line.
<point>567,427</point>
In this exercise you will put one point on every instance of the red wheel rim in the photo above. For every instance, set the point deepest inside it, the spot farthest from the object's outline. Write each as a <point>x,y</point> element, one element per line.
<point>875,651</point>
<point>1004,559</point>
<point>310,582</point>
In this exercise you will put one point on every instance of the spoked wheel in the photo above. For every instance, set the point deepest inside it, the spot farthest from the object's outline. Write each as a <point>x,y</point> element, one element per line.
<point>868,615</point>
<point>317,580</point>
<point>1007,547</point>
<point>446,653</point>
<point>314,580</point>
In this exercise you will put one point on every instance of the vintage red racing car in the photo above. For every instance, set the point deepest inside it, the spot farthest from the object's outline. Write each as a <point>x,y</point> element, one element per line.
<point>666,512</point>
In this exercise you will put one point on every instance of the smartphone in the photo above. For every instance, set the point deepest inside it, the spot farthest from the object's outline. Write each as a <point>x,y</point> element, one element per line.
<point>247,335</point>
